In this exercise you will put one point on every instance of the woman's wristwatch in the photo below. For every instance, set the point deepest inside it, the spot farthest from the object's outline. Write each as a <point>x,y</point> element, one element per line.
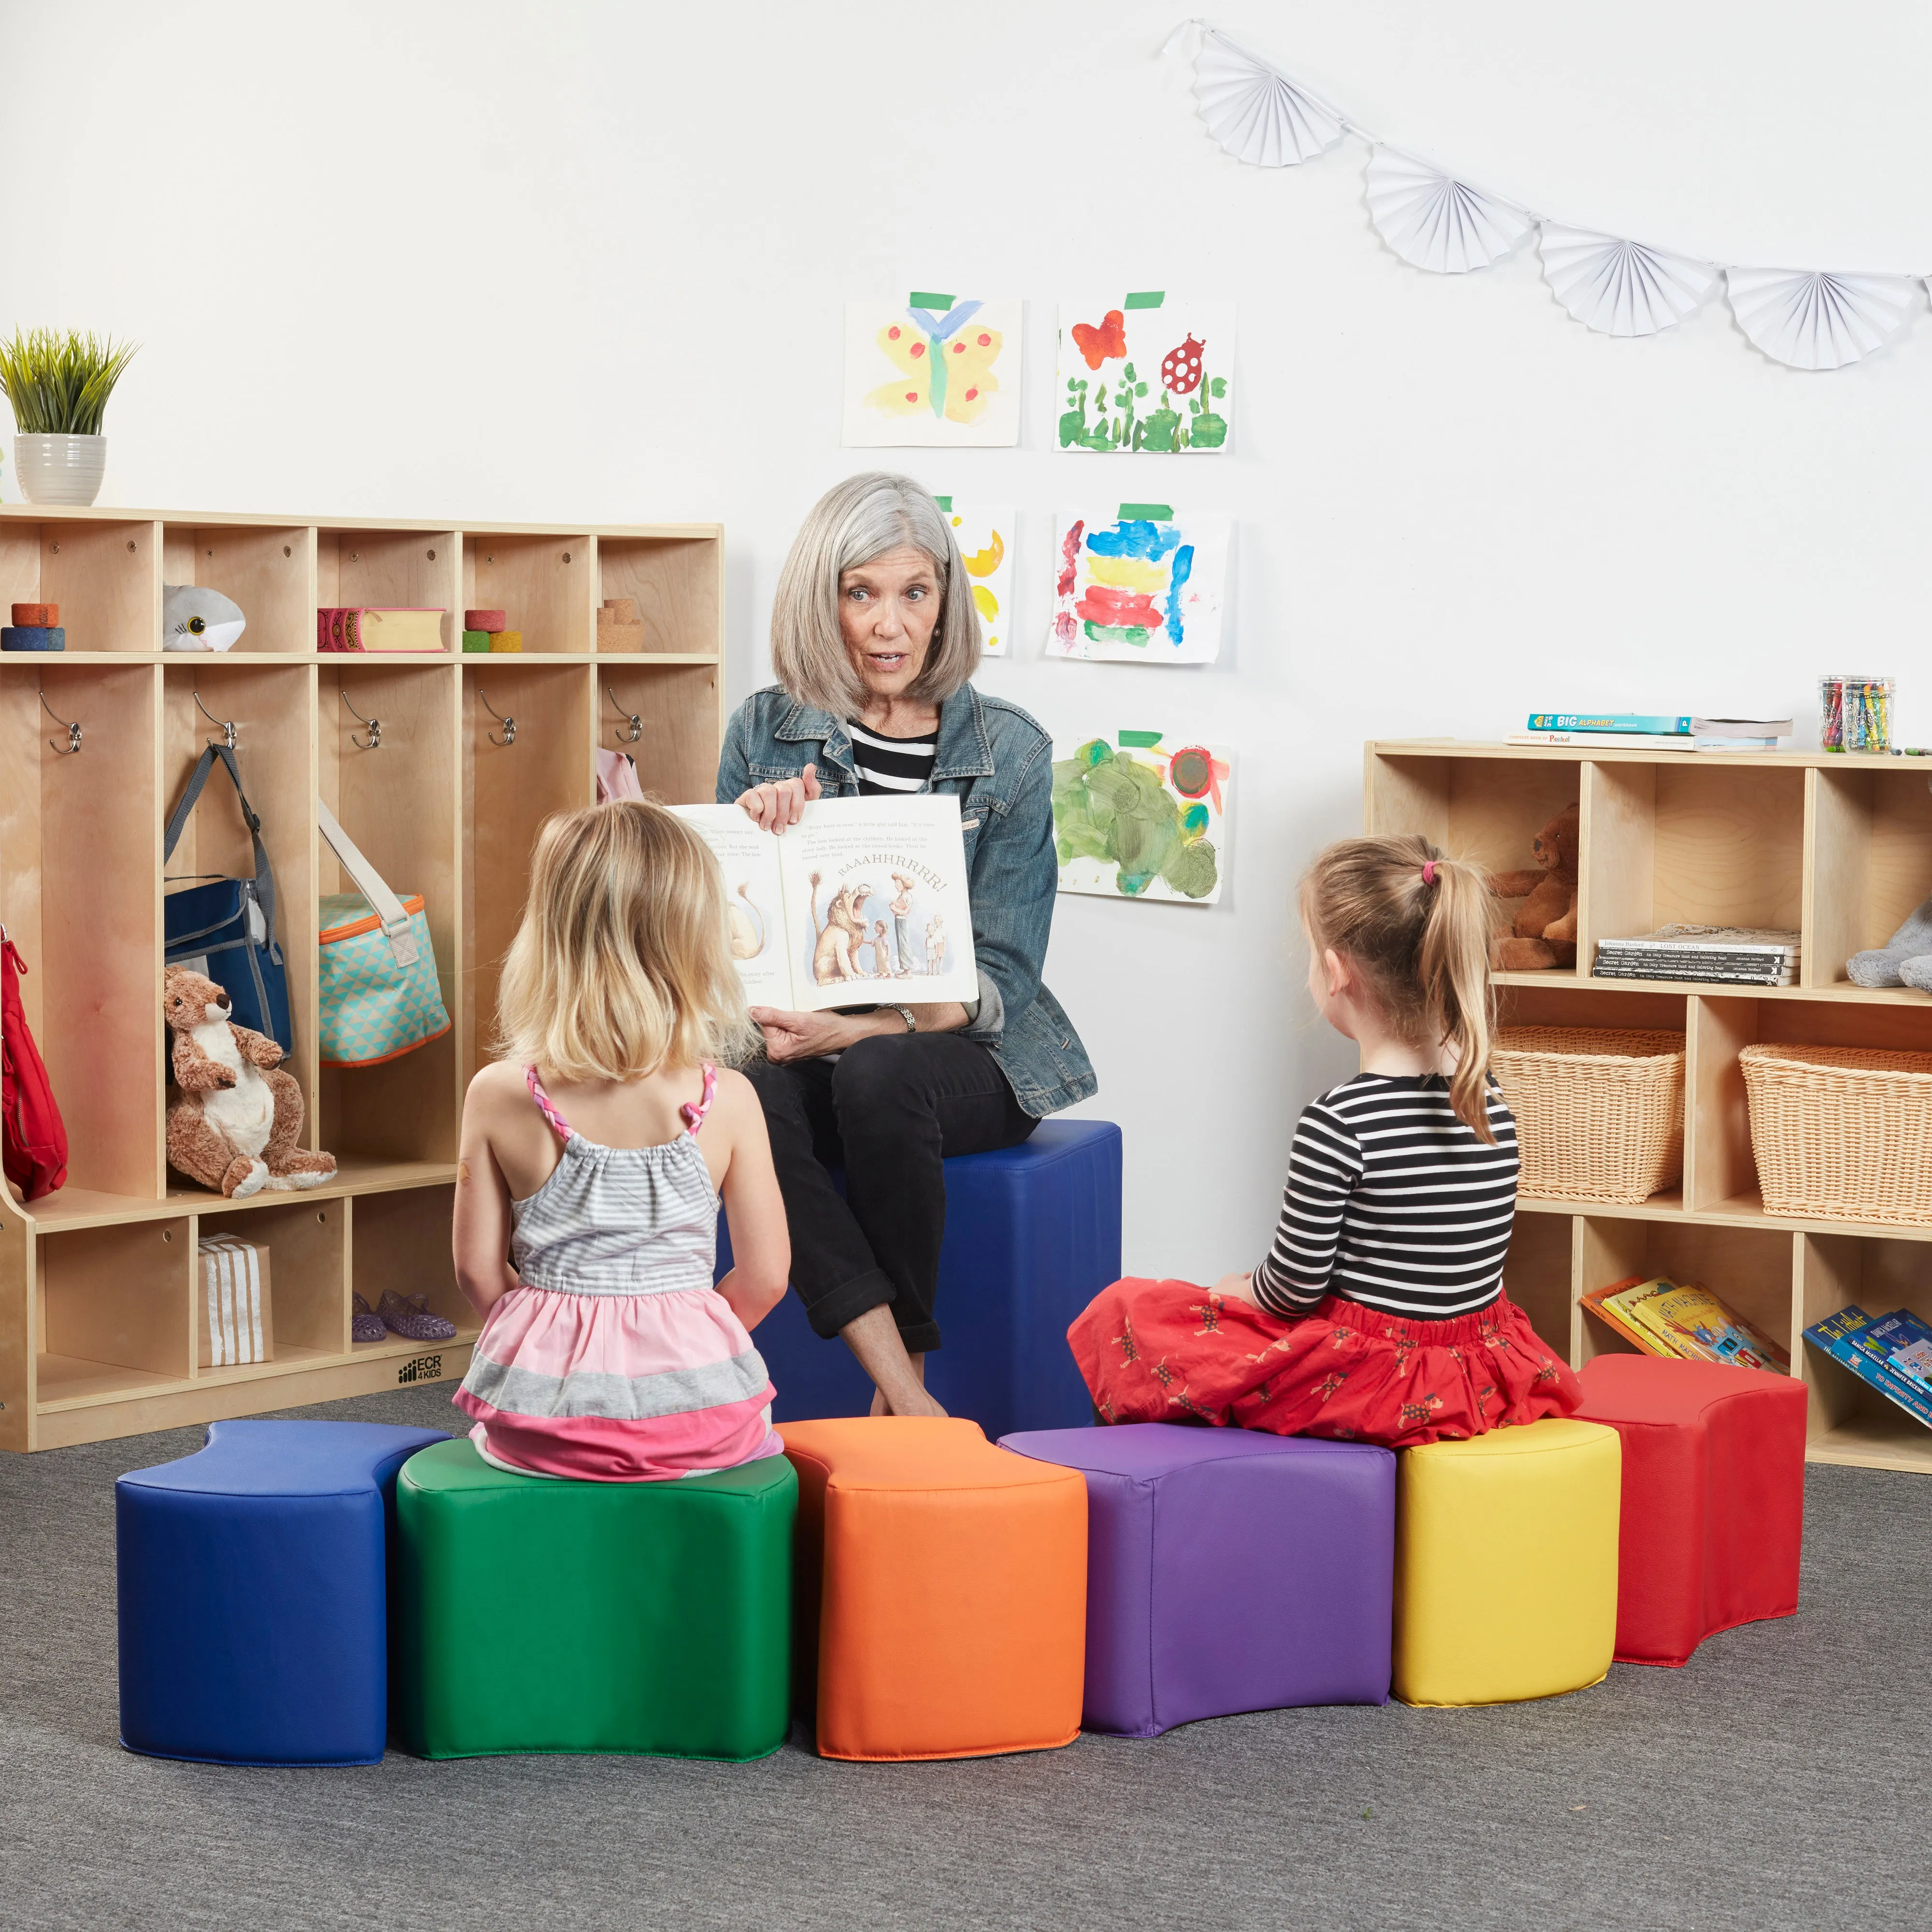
<point>905,1013</point>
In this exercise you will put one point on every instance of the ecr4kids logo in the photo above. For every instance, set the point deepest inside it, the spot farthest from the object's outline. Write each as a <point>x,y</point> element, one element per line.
<point>424,1369</point>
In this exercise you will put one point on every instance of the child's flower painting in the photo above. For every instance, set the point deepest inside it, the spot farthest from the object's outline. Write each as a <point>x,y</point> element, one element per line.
<point>1145,375</point>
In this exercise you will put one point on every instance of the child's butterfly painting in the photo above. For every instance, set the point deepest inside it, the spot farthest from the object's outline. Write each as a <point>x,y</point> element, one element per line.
<point>935,371</point>
<point>985,539</point>
<point>1149,374</point>
<point>1139,585</point>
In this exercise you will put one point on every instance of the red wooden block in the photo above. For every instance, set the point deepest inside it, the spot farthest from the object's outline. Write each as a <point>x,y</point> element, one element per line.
<point>1713,1497</point>
<point>35,616</point>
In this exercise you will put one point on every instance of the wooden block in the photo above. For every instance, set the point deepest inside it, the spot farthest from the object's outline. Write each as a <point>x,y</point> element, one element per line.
<point>506,640</point>
<point>614,636</point>
<point>619,609</point>
<point>36,615</point>
<point>486,620</point>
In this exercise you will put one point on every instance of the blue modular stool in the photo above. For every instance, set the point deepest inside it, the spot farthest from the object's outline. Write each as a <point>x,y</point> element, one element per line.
<point>254,1587</point>
<point>1032,1234</point>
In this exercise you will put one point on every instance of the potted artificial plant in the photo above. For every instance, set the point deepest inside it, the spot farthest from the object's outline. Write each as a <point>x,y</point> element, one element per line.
<point>59,384</point>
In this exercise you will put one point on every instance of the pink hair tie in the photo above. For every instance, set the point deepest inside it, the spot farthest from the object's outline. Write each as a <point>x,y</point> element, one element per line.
<point>1429,872</point>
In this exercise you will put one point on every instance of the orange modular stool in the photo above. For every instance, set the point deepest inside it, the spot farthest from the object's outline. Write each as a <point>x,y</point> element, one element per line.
<point>940,1591</point>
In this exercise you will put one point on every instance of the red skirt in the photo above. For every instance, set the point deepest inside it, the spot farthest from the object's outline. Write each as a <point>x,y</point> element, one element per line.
<point>1168,1352</point>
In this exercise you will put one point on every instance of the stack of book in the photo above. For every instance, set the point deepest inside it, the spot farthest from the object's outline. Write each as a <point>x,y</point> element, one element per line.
<point>1893,1355</point>
<point>1662,1317</point>
<point>1711,955</point>
<point>1638,731</point>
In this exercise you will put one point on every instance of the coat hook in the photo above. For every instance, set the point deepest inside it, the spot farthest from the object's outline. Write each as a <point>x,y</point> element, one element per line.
<point>373,742</point>
<point>227,724</point>
<point>635,719</point>
<point>73,730</point>
<point>509,724</point>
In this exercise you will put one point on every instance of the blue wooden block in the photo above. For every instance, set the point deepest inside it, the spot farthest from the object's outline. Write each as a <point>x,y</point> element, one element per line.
<point>1032,1234</point>
<point>253,1578</point>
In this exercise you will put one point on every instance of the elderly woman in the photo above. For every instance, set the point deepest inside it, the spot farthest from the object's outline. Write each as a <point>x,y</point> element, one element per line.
<point>875,638</point>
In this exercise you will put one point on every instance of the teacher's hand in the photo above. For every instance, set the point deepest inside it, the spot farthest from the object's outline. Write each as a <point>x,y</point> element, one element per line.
<point>781,801</point>
<point>806,1036</point>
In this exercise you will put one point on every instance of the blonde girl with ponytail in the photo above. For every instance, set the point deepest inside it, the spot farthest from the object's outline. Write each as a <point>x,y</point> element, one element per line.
<point>1378,1315</point>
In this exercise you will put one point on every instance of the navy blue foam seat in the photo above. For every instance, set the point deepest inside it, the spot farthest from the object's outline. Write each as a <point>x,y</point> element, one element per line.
<point>253,1594</point>
<point>1032,1234</point>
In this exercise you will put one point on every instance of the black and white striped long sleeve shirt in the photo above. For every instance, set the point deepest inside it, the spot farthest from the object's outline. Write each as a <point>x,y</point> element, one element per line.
<point>1392,1201</point>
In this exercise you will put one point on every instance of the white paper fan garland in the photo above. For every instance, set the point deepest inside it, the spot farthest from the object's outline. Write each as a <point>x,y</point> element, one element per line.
<point>1258,115</point>
<point>1811,321</point>
<point>1621,288</point>
<point>1436,222</point>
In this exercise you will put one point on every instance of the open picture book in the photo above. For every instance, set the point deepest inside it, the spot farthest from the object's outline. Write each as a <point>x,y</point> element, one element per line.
<point>863,901</point>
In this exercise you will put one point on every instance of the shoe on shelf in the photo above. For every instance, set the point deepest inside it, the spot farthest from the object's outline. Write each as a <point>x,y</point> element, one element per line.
<point>408,1315</point>
<point>364,1324</point>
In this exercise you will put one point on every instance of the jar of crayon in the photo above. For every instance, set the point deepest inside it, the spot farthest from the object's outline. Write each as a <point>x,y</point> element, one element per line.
<point>1855,713</point>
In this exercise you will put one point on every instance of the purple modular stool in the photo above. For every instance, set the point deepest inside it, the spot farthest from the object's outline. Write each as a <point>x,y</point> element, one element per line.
<point>1229,1571</point>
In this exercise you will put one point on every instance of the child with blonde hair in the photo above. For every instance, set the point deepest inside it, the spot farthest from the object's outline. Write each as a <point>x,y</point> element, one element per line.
<point>1378,1315</point>
<point>594,1156</point>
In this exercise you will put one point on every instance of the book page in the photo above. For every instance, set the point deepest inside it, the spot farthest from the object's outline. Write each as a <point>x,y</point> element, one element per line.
<point>754,897</point>
<point>876,904</point>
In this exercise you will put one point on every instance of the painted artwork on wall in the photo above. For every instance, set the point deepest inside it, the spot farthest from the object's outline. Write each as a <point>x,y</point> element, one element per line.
<point>1140,586</point>
<point>1148,375</point>
<point>985,538</point>
<point>1141,815</point>
<point>934,371</point>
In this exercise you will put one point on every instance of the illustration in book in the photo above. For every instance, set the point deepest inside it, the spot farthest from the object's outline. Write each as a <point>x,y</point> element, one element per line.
<point>1140,586</point>
<point>1148,374</point>
<point>864,900</point>
<point>985,539</point>
<point>934,371</point>
<point>1135,816</point>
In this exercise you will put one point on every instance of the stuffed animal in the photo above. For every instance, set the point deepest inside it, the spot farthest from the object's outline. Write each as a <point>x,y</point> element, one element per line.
<point>1544,933</point>
<point>193,619</point>
<point>1906,961</point>
<point>240,1114</point>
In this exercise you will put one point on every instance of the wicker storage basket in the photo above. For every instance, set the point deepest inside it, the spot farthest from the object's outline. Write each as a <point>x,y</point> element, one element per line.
<point>1599,1114</point>
<point>1842,1133</point>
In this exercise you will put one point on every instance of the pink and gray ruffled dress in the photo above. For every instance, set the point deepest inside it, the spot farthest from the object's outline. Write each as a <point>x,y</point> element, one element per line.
<point>617,1359</point>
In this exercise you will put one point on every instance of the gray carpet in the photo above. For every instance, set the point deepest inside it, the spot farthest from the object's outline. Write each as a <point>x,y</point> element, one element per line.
<point>1780,1779</point>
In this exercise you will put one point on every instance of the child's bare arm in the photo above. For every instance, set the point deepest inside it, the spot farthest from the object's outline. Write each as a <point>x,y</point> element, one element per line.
<point>480,1237</point>
<point>754,1209</point>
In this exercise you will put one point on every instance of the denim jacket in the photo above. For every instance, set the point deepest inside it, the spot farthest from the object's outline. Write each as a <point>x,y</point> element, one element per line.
<point>999,764</point>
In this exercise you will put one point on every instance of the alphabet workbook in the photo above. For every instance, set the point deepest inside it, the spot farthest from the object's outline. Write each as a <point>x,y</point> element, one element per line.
<point>863,901</point>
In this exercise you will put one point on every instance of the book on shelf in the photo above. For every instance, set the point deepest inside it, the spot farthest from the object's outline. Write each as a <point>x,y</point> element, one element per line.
<point>1619,722</point>
<point>1905,1343</point>
<point>1742,728</point>
<point>1646,741</point>
<point>1844,1336</point>
<point>1663,1317</point>
<point>371,627</point>
<point>1715,954</point>
<point>862,902</point>
<point>1606,1304</point>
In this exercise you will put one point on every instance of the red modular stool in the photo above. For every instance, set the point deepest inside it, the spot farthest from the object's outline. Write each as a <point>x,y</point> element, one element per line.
<point>1713,1497</point>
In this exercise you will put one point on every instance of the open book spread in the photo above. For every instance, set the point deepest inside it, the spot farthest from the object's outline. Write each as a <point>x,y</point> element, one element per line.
<point>863,901</point>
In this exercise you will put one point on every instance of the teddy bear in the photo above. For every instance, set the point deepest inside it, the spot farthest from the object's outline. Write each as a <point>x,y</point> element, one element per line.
<point>239,1117</point>
<point>1544,933</point>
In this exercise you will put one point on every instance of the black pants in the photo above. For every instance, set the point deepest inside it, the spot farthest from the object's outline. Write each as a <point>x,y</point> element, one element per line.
<point>888,1110</point>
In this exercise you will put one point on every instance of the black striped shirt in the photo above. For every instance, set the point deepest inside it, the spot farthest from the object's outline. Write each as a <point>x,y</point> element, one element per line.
<point>883,764</point>
<point>1392,1201</point>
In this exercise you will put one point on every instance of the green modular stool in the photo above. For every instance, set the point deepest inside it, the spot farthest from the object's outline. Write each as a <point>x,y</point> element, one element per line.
<point>534,1614</point>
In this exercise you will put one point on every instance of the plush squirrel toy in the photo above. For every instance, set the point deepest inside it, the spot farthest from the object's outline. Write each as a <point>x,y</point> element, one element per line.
<point>239,1116</point>
<point>1544,931</point>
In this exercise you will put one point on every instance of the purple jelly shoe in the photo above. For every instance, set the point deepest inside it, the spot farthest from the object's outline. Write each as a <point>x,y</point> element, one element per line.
<point>408,1315</point>
<point>364,1324</point>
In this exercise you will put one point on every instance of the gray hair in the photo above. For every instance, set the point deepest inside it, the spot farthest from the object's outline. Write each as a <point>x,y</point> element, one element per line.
<point>853,524</point>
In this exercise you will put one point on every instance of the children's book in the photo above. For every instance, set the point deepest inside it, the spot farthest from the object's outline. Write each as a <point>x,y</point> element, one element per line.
<point>1905,1343</point>
<point>1606,1303</point>
<point>863,901</point>
<point>1645,724</point>
<point>1704,1326</point>
<point>360,627</point>
<point>1843,1337</point>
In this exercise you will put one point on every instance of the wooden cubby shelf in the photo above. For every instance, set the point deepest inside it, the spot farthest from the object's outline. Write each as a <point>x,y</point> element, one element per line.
<point>1838,848</point>
<point>98,1315</point>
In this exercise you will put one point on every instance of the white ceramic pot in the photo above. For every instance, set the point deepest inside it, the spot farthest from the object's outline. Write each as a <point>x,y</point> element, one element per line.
<point>60,469</point>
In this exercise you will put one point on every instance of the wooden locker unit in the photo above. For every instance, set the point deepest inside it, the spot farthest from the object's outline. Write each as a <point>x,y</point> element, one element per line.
<point>99,1323</point>
<point>1837,846</point>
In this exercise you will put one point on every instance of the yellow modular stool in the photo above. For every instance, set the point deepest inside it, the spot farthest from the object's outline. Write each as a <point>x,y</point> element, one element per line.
<point>1506,1563</point>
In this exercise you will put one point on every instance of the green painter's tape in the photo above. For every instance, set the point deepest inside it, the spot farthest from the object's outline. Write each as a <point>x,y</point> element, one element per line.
<point>944,502</point>
<point>940,304</point>
<point>1139,741</point>
<point>1152,298</point>
<point>1157,513</point>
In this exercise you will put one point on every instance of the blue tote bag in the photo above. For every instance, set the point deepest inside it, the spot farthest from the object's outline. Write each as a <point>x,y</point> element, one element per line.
<point>226,929</point>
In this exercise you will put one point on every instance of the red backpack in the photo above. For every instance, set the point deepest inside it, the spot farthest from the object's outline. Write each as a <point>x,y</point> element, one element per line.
<point>35,1138</point>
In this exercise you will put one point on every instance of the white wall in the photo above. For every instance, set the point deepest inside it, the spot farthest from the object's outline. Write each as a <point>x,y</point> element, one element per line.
<point>586,261</point>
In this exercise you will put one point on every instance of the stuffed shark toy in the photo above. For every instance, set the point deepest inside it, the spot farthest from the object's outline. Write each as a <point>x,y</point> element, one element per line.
<point>195,619</point>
